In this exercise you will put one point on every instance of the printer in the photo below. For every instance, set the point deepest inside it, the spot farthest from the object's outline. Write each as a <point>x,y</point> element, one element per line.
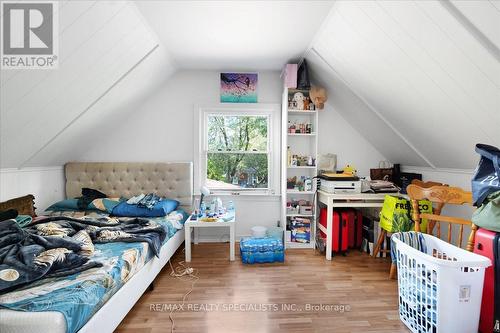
<point>339,183</point>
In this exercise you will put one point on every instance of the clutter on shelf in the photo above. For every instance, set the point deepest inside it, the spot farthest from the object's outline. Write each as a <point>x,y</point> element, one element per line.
<point>299,184</point>
<point>303,207</point>
<point>299,128</point>
<point>300,100</point>
<point>300,228</point>
<point>295,160</point>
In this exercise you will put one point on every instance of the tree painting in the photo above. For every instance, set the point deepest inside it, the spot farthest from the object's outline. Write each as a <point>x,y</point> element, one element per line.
<point>237,152</point>
<point>238,87</point>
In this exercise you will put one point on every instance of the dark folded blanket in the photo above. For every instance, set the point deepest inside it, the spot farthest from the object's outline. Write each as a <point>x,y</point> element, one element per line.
<point>26,257</point>
<point>59,245</point>
<point>111,230</point>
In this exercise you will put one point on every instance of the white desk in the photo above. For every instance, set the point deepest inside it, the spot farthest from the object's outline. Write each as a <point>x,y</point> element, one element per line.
<point>199,224</point>
<point>343,201</point>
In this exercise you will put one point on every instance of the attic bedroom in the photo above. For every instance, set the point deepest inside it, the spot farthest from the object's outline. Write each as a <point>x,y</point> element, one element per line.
<point>250,166</point>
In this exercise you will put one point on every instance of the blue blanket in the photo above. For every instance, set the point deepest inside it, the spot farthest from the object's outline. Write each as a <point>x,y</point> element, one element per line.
<point>79,296</point>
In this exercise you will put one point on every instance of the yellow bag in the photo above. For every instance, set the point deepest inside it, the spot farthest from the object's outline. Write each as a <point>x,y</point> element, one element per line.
<point>395,215</point>
<point>424,206</point>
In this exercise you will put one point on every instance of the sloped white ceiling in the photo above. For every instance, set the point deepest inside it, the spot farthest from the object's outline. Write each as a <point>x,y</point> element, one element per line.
<point>364,118</point>
<point>419,79</point>
<point>101,42</point>
<point>232,35</point>
<point>422,70</point>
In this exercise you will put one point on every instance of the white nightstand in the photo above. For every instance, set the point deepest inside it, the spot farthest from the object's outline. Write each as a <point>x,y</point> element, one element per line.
<point>199,224</point>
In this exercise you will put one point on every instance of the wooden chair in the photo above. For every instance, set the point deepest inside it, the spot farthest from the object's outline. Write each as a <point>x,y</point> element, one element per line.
<point>441,195</point>
<point>437,207</point>
<point>383,234</point>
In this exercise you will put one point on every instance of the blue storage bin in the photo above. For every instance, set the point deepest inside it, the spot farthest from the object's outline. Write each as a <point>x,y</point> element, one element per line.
<point>261,250</point>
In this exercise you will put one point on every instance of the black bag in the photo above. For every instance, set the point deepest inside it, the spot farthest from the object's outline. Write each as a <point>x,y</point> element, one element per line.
<point>303,81</point>
<point>485,180</point>
<point>406,178</point>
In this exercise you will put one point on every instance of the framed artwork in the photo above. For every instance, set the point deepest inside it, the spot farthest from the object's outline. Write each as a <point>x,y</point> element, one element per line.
<point>238,87</point>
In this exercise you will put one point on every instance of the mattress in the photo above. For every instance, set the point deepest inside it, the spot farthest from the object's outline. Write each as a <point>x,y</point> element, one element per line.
<point>32,322</point>
<point>65,304</point>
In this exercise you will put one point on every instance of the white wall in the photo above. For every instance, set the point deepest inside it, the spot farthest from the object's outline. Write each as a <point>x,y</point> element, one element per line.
<point>337,136</point>
<point>161,129</point>
<point>46,184</point>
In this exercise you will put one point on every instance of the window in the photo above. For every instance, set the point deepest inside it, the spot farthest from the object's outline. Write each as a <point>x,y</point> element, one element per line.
<point>236,152</point>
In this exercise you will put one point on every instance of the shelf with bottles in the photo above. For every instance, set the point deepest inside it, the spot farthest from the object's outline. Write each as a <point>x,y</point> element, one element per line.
<point>300,161</point>
<point>299,184</point>
<point>300,127</point>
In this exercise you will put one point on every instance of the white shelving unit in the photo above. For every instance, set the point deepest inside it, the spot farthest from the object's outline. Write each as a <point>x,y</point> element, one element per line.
<point>301,144</point>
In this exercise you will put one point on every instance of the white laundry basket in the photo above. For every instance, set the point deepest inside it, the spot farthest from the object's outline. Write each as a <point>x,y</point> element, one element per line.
<point>439,291</point>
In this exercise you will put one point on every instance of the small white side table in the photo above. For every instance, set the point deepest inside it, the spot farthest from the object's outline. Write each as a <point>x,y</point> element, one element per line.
<point>199,224</point>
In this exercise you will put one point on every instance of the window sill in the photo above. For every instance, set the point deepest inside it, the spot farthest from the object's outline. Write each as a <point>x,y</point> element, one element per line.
<point>245,196</point>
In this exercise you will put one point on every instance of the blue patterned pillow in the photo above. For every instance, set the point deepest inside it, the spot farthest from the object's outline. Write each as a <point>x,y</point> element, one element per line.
<point>161,208</point>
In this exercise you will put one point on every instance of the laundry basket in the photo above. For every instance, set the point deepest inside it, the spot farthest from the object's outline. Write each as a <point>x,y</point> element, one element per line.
<point>440,285</point>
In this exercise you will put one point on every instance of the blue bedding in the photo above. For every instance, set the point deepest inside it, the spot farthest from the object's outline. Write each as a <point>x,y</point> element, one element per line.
<point>80,295</point>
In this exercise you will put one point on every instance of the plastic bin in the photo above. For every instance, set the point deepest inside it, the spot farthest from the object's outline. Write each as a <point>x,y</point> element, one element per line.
<point>440,290</point>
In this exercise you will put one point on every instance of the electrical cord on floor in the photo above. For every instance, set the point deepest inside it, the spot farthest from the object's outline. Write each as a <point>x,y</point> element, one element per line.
<point>184,274</point>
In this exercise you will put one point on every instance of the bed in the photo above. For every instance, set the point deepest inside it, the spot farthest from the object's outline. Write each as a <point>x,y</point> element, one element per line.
<point>172,180</point>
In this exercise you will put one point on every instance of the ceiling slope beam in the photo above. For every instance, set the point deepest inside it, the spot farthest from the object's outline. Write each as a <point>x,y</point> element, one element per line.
<point>472,29</point>
<point>317,34</point>
<point>374,110</point>
<point>90,105</point>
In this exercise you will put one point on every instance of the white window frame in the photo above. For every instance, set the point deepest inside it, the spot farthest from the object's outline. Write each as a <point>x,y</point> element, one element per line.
<point>271,111</point>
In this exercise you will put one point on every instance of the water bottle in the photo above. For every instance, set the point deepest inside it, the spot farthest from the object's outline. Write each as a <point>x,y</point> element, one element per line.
<point>203,209</point>
<point>230,206</point>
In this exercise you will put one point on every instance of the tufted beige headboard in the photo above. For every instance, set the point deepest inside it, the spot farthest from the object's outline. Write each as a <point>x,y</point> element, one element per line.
<point>172,180</point>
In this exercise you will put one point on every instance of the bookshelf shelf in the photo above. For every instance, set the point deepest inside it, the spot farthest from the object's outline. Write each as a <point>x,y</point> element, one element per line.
<point>303,145</point>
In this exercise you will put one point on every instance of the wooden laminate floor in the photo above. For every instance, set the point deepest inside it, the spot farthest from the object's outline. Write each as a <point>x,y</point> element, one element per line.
<point>355,292</point>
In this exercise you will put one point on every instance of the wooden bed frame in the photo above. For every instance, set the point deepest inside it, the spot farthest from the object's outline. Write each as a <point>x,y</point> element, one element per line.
<point>173,180</point>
